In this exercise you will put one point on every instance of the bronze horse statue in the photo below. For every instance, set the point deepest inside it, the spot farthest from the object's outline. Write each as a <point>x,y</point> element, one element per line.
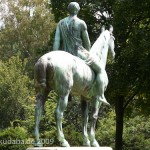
<point>65,74</point>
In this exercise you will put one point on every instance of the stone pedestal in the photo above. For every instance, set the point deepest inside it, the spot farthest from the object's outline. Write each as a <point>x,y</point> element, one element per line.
<point>70,148</point>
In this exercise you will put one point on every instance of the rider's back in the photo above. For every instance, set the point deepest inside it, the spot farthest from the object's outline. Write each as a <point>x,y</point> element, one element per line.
<point>71,30</point>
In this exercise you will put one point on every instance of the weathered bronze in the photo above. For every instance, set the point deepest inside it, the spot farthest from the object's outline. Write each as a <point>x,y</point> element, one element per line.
<point>77,69</point>
<point>72,36</point>
<point>66,73</point>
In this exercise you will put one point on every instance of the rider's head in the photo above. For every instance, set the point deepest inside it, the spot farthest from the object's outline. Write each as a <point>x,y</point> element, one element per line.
<point>73,8</point>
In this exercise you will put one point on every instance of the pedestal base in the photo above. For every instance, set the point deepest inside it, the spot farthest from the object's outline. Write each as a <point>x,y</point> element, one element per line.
<point>70,148</point>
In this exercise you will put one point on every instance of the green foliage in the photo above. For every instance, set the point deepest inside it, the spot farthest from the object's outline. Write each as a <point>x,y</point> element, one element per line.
<point>27,28</point>
<point>130,76</point>
<point>137,133</point>
<point>13,139</point>
<point>105,133</point>
<point>15,91</point>
<point>73,135</point>
<point>132,52</point>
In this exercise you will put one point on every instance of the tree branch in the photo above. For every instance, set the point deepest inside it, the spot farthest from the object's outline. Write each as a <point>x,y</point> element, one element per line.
<point>131,98</point>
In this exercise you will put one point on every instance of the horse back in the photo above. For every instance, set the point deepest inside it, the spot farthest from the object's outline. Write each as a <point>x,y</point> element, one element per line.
<point>64,72</point>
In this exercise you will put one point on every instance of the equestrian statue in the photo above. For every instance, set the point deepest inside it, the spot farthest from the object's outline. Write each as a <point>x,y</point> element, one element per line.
<point>76,69</point>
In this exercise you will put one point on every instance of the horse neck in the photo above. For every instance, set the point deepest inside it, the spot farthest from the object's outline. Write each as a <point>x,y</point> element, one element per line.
<point>104,56</point>
<point>100,49</point>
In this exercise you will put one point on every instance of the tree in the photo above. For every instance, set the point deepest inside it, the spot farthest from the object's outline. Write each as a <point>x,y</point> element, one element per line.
<point>27,27</point>
<point>131,76</point>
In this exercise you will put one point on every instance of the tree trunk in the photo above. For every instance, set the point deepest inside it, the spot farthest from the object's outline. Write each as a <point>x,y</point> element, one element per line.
<point>119,122</point>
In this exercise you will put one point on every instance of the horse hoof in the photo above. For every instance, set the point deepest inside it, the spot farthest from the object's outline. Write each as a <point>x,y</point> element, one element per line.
<point>86,143</point>
<point>95,144</point>
<point>65,144</point>
<point>38,144</point>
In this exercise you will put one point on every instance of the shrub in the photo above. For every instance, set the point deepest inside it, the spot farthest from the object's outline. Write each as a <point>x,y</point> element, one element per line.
<point>13,139</point>
<point>136,133</point>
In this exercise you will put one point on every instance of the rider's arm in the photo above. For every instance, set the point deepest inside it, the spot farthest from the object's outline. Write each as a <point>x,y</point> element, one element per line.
<point>85,36</point>
<point>56,45</point>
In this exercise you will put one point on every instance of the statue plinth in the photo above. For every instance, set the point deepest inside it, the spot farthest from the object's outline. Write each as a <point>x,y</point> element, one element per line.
<point>70,148</point>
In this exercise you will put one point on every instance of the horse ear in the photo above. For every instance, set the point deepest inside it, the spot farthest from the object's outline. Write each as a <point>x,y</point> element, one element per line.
<point>111,29</point>
<point>102,28</point>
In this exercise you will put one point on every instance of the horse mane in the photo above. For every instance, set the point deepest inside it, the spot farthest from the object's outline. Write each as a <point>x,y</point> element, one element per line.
<point>99,44</point>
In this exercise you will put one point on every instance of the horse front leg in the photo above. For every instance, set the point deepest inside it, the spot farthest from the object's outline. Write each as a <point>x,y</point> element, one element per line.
<point>95,109</point>
<point>84,109</point>
<point>61,106</point>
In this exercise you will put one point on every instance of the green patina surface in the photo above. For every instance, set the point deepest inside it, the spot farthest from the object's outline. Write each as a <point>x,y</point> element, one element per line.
<point>74,69</point>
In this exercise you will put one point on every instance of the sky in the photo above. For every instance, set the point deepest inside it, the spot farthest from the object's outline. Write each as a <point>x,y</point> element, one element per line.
<point>3,10</point>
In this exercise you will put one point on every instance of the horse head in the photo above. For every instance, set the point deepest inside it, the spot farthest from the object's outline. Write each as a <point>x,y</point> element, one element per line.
<point>104,43</point>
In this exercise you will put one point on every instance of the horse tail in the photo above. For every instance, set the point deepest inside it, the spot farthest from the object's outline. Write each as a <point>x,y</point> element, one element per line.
<point>40,74</point>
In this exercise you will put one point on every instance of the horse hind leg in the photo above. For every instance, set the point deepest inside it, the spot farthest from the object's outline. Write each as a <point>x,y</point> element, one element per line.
<point>84,108</point>
<point>61,106</point>
<point>41,96</point>
<point>38,113</point>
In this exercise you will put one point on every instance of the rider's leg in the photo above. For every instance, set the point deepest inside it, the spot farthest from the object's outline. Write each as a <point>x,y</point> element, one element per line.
<point>101,78</point>
<point>101,85</point>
